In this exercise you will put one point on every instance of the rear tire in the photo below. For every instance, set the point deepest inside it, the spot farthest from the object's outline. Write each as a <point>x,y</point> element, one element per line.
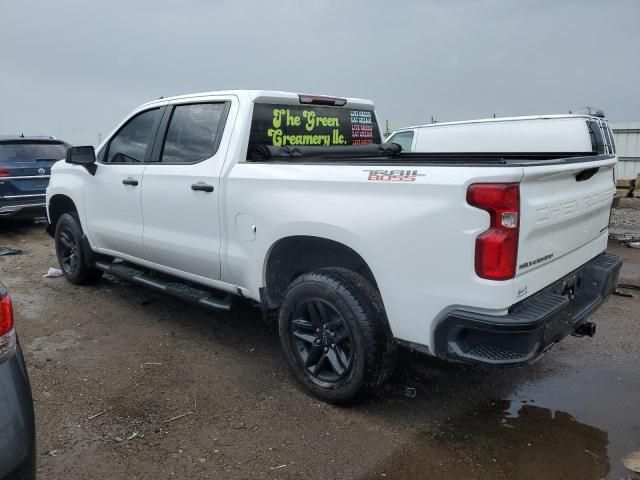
<point>335,336</point>
<point>71,254</point>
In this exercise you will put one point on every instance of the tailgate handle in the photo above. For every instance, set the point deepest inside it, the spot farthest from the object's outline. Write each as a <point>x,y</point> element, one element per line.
<point>586,174</point>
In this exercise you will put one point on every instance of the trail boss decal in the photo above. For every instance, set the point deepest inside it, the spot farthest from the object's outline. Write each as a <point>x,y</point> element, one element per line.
<point>393,175</point>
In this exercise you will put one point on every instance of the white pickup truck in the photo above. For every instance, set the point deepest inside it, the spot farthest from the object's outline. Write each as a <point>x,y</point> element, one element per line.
<point>355,247</point>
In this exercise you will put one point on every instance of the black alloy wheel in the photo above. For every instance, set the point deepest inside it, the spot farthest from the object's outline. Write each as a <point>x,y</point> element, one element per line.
<point>335,336</point>
<point>68,248</point>
<point>321,338</point>
<point>72,257</point>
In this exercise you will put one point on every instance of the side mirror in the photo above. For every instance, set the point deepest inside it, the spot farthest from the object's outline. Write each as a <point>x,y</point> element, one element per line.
<point>81,155</point>
<point>85,156</point>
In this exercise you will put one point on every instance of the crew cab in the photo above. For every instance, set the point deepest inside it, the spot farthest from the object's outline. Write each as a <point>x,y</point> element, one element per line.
<point>292,201</point>
<point>25,164</point>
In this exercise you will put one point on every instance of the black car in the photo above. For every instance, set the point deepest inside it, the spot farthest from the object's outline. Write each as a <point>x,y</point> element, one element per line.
<point>25,168</point>
<point>17,425</point>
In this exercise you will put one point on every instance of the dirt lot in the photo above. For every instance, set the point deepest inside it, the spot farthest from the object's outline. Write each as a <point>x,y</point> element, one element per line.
<point>128,384</point>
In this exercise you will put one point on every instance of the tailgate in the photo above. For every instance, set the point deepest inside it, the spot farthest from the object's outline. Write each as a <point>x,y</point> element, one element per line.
<point>25,166</point>
<point>24,181</point>
<point>28,177</point>
<point>564,212</point>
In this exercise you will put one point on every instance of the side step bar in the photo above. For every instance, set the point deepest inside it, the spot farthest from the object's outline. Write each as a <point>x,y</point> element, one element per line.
<point>175,289</point>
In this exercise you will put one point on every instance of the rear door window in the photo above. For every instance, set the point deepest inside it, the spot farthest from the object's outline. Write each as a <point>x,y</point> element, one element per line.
<point>31,152</point>
<point>311,125</point>
<point>404,139</point>
<point>194,132</point>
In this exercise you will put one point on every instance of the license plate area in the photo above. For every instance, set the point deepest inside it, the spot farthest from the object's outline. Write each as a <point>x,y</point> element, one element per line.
<point>35,185</point>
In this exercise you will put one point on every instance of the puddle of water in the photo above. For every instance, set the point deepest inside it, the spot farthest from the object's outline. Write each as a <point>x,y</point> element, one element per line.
<point>578,426</point>
<point>605,398</point>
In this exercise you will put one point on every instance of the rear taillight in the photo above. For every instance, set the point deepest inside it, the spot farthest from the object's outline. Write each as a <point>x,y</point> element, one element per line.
<point>6,316</point>
<point>497,247</point>
<point>5,172</point>
<point>7,334</point>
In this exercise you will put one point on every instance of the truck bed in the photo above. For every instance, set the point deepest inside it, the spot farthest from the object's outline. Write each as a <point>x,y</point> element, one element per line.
<point>388,154</point>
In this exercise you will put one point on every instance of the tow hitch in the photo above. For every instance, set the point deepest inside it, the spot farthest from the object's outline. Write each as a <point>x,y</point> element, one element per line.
<point>585,329</point>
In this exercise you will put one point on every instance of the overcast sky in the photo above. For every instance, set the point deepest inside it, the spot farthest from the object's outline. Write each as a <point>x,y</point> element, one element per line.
<point>72,69</point>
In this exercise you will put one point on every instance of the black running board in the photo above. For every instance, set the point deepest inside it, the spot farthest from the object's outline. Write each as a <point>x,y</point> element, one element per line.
<point>173,288</point>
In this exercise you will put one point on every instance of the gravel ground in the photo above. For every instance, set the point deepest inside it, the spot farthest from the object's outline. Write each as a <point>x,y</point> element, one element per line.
<point>625,220</point>
<point>128,384</point>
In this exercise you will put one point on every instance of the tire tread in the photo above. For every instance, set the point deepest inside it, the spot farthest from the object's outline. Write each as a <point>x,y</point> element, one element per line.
<point>85,274</point>
<point>365,302</point>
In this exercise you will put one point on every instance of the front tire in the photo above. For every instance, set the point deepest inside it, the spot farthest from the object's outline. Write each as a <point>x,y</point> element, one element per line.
<point>71,254</point>
<point>334,335</point>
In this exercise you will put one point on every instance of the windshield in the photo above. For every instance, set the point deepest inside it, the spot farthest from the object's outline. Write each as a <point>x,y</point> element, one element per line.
<point>310,125</point>
<point>29,152</point>
<point>404,139</point>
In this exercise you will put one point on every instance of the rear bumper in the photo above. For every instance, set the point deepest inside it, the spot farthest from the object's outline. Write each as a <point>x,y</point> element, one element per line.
<point>25,209</point>
<point>532,326</point>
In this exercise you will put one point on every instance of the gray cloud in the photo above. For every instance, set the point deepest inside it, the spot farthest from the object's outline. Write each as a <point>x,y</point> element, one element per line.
<point>73,70</point>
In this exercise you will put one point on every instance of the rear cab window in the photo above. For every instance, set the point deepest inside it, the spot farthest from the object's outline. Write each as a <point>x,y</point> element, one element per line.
<point>309,125</point>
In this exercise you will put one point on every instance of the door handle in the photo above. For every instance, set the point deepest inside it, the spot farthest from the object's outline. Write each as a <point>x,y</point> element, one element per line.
<point>130,181</point>
<point>202,187</point>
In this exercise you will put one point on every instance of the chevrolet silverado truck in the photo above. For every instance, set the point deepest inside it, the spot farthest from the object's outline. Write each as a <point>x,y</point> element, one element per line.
<point>293,202</point>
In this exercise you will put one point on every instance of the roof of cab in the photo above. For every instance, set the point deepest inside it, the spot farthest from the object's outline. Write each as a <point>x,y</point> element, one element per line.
<point>261,96</point>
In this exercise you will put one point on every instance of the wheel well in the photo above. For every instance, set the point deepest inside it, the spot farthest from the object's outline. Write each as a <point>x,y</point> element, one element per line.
<point>292,256</point>
<point>59,205</point>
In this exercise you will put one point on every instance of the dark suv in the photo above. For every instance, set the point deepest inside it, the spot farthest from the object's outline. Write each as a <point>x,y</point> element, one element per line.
<point>25,166</point>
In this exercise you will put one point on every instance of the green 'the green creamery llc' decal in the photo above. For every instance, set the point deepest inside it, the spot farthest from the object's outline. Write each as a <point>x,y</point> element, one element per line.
<point>296,125</point>
<point>311,122</point>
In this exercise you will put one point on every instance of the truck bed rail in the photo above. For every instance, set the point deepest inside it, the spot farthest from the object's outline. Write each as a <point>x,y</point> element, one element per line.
<point>386,153</point>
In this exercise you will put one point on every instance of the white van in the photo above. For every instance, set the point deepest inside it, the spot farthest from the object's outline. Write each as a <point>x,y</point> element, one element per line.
<point>573,133</point>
